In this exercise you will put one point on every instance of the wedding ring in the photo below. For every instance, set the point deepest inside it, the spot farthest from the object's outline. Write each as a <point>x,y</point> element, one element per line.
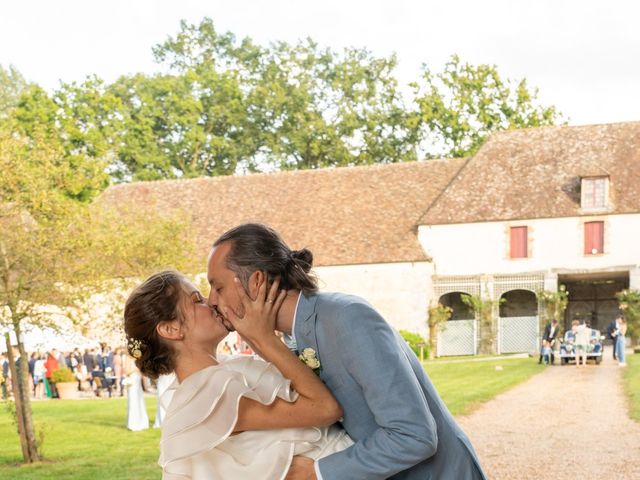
<point>269,301</point>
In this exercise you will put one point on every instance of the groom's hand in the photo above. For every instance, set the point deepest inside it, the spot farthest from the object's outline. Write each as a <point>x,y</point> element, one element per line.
<point>301,469</point>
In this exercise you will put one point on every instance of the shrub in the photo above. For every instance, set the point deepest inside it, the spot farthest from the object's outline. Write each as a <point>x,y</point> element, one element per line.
<point>415,341</point>
<point>62,375</point>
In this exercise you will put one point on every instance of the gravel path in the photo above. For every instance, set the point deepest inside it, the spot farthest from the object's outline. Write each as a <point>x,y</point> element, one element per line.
<point>566,422</point>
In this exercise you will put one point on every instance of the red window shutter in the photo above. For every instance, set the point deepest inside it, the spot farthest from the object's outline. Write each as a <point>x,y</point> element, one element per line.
<point>519,242</point>
<point>593,238</point>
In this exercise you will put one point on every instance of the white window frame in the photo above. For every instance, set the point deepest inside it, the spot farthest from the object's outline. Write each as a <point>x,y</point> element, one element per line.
<point>588,184</point>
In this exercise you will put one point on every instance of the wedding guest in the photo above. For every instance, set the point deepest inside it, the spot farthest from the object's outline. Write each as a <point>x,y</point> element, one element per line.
<point>81,375</point>
<point>137,418</point>
<point>39,371</point>
<point>89,359</point>
<point>545,352</point>
<point>620,341</point>
<point>549,335</point>
<point>32,362</point>
<point>50,365</point>
<point>5,376</point>
<point>118,360</point>
<point>582,341</point>
<point>612,330</point>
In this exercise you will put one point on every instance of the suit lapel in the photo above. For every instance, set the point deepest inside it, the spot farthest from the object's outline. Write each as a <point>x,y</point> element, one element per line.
<point>305,329</point>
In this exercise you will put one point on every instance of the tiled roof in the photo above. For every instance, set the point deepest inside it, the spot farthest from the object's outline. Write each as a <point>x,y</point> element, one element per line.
<point>353,215</point>
<point>535,173</point>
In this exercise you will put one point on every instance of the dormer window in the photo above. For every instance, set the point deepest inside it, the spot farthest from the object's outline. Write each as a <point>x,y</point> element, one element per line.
<point>595,193</point>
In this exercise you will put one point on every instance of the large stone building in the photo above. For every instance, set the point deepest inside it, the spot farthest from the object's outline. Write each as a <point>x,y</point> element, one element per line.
<point>531,210</point>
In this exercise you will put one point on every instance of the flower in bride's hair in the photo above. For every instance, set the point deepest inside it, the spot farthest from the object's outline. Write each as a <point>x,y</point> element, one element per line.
<point>135,347</point>
<point>309,358</point>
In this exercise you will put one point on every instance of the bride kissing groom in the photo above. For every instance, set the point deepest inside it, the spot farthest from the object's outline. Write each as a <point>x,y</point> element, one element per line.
<point>361,408</point>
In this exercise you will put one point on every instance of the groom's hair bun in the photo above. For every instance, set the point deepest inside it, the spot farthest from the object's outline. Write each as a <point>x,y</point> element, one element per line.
<point>257,247</point>
<point>153,301</point>
<point>304,258</point>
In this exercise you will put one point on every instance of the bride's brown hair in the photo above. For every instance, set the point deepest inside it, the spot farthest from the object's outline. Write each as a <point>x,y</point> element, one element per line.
<point>155,300</point>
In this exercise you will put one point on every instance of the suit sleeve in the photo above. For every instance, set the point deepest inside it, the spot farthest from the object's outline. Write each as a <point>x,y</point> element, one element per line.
<point>406,432</point>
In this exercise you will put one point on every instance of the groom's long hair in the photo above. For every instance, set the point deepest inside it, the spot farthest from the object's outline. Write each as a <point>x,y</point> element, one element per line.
<point>257,247</point>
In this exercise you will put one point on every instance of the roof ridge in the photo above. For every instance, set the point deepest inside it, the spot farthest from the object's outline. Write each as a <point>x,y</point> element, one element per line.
<point>451,180</point>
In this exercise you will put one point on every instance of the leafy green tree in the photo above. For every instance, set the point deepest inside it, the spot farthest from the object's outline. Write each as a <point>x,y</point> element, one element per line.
<point>630,306</point>
<point>185,125</point>
<point>554,304</point>
<point>56,251</point>
<point>12,83</point>
<point>78,121</point>
<point>460,107</point>
<point>305,107</point>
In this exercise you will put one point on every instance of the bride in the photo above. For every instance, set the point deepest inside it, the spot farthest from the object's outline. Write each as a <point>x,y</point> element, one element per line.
<point>232,417</point>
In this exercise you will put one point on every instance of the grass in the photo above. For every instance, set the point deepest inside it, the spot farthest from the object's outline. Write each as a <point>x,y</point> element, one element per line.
<point>632,385</point>
<point>87,440</point>
<point>464,386</point>
<point>84,440</point>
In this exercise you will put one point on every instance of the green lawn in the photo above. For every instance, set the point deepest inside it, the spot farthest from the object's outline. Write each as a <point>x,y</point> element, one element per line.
<point>465,385</point>
<point>84,439</point>
<point>632,385</point>
<point>87,439</point>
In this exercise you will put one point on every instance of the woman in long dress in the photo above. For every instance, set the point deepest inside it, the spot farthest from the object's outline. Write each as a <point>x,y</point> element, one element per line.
<point>137,418</point>
<point>238,417</point>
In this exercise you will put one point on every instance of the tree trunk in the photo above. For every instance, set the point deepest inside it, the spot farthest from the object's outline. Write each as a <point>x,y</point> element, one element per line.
<point>26,401</point>
<point>22,398</point>
<point>16,396</point>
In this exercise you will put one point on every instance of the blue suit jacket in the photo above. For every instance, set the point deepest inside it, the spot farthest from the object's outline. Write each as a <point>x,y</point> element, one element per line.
<point>392,411</point>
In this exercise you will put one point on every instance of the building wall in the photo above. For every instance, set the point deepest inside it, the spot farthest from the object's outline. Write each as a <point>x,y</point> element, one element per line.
<point>557,243</point>
<point>399,291</point>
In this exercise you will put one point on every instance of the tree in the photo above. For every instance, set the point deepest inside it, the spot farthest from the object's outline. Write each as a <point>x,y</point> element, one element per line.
<point>77,122</point>
<point>185,125</point>
<point>460,107</point>
<point>55,251</point>
<point>630,306</point>
<point>554,304</point>
<point>305,107</point>
<point>12,83</point>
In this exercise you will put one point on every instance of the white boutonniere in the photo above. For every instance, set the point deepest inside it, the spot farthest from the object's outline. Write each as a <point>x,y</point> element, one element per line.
<point>310,359</point>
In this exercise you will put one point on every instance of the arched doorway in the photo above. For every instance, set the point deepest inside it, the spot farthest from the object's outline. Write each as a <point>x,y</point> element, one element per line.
<point>458,336</point>
<point>519,303</point>
<point>461,310</point>
<point>518,322</point>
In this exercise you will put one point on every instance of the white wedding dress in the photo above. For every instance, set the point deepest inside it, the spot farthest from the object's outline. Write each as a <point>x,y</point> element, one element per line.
<point>137,418</point>
<point>196,438</point>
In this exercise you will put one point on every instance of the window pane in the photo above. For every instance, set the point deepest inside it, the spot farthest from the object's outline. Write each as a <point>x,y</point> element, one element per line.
<point>518,247</point>
<point>594,192</point>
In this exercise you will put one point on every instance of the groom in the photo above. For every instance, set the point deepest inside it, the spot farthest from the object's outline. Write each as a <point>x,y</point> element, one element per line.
<point>400,426</point>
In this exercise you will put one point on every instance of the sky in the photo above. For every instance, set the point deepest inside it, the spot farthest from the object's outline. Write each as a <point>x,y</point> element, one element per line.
<point>582,55</point>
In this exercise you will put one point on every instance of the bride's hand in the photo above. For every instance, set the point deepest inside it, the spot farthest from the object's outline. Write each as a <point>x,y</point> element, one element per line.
<point>259,320</point>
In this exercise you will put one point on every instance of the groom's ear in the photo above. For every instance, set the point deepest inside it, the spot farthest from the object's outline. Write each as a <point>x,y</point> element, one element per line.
<point>255,281</point>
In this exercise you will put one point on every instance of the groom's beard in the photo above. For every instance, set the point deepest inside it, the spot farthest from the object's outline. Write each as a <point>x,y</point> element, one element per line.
<point>225,323</point>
